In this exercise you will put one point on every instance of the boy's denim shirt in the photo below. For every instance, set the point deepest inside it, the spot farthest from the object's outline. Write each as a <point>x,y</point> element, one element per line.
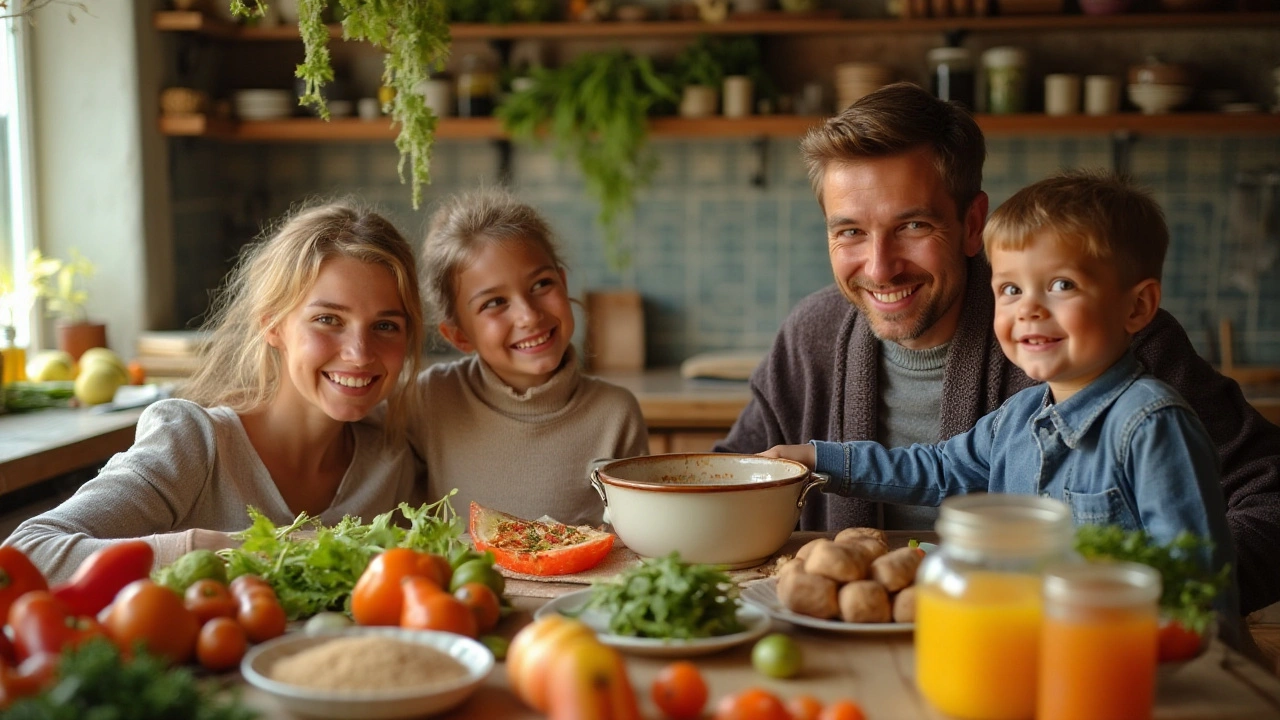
<point>1125,450</point>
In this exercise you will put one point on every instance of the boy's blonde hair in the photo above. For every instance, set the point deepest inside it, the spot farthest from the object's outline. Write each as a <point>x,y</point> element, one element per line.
<point>462,225</point>
<point>240,369</point>
<point>1100,214</point>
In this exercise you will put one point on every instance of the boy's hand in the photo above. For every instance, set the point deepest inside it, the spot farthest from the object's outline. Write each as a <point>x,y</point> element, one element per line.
<point>800,453</point>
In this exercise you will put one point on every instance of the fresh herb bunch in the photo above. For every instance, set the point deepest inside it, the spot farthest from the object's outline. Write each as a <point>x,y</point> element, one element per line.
<point>415,36</point>
<point>668,598</point>
<point>95,681</point>
<point>1188,587</point>
<point>595,110</point>
<point>314,568</point>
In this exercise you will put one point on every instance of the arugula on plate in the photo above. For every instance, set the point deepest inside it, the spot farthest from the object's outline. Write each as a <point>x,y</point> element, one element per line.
<point>668,598</point>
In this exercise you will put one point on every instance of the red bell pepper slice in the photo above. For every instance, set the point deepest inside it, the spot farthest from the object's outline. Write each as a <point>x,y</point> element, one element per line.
<point>103,574</point>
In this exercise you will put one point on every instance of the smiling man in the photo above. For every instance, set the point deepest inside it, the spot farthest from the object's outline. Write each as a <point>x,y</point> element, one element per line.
<point>901,349</point>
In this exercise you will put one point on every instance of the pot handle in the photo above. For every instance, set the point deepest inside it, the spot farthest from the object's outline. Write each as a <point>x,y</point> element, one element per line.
<point>815,480</point>
<point>599,486</point>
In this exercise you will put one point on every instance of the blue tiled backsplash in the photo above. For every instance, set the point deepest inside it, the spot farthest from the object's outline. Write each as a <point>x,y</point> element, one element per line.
<point>720,261</point>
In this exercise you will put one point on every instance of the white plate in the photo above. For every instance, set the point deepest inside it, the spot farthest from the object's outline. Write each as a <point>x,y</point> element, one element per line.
<point>368,704</point>
<point>754,618</point>
<point>765,594</point>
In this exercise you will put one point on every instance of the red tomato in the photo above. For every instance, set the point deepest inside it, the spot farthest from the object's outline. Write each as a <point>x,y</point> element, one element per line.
<point>842,710</point>
<point>679,691</point>
<point>427,607</point>
<point>751,704</point>
<point>378,598</point>
<point>484,604</point>
<point>208,599</point>
<point>103,574</point>
<point>804,707</point>
<point>1177,643</point>
<point>18,575</point>
<point>221,644</point>
<point>42,623</point>
<point>154,616</point>
<point>244,583</point>
<point>261,616</point>
<point>26,680</point>
<point>570,550</point>
<point>8,656</point>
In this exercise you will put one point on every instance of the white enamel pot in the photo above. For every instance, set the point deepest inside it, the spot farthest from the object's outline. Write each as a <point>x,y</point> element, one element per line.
<point>717,508</point>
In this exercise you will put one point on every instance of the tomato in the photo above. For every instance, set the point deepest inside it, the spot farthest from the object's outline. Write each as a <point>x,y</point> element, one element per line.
<point>378,598</point>
<point>804,707</point>
<point>151,614</point>
<point>484,604</point>
<point>244,583</point>
<point>26,680</point>
<point>427,607</point>
<point>262,616</point>
<point>751,704</point>
<point>221,644</point>
<point>531,651</point>
<point>555,548</point>
<point>7,654</point>
<point>208,599</point>
<point>479,570</point>
<point>843,710</point>
<point>1176,642</point>
<point>42,623</point>
<point>679,691</point>
<point>18,575</point>
<point>777,655</point>
<point>137,373</point>
<point>105,573</point>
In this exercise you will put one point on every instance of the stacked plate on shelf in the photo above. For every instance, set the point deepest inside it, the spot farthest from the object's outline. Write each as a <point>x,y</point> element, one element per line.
<point>855,79</point>
<point>263,104</point>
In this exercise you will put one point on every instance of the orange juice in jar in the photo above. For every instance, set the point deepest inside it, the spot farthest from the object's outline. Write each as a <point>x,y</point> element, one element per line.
<point>1098,643</point>
<point>978,603</point>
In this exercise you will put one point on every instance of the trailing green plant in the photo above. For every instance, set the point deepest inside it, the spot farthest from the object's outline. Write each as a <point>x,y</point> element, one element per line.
<point>415,36</point>
<point>595,110</point>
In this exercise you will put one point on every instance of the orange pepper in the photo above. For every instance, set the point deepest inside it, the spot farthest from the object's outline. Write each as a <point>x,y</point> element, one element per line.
<point>378,597</point>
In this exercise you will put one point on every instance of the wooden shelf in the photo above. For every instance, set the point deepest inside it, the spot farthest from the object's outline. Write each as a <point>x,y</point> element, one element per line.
<point>353,130</point>
<point>192,21</point>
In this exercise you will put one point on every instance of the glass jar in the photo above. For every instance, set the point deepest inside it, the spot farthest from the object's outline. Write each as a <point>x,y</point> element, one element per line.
<point>476,88</point>
<point>1098,643</point>
<point>978,603</point>
<point>1006,75</point>
<point>951,75</point>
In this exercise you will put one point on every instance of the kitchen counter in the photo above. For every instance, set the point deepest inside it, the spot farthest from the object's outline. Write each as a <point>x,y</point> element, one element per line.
<point>668,400</point>
<point>42,444</point>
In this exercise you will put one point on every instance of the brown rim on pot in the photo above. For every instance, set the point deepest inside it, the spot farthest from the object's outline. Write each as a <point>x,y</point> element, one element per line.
<point>802,473</point>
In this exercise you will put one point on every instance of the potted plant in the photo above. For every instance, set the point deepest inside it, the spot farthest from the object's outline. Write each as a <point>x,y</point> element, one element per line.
<point>698,74</point>
<point>61,285</point>
<point>595,110</point>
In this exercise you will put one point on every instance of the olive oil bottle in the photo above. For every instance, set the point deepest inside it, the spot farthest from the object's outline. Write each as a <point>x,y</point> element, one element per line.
<point>14,357</point>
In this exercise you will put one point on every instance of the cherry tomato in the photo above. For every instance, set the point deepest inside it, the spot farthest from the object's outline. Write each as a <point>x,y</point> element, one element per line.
<point>208,599</point>
<point>842,710</point>
<point>41,623</point>
<point>104,574</point>
<point>483,602</point>
<point>153,615</point>
<point>426,607</point>
<point>221,644</point>
<point>679,691</point>
<point>244,583</point>
<point>804,707</point>
<point>261,616</point>
<point>751,704</point>
<point>1176,643</point>
<point>18,576</point>
<point>378,598</point>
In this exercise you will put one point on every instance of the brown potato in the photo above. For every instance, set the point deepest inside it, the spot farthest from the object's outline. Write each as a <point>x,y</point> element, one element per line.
<point>864,601</point>
<point>842,563</point>
<point>813,595</point>
<point>897,569</point>
<point>904,605</point>
<point>872,545</point>
<point>861,532</point>
<point>807,548</point>
<point>791,565</point>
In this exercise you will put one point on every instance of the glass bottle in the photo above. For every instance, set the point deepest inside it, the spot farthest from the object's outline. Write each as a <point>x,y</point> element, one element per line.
<point>15,358</point>
<point>1098,645</point>
<point>951,75</point>
<point>475,88</point>
<point>978,603</point>
<point>1006,75</point>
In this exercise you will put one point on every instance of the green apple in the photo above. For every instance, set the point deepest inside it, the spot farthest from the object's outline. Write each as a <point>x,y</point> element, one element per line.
<point>97,383</point>
<point>51,365</point>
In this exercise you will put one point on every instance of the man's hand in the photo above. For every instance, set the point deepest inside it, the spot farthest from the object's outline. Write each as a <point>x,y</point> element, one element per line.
<point>800,453</point>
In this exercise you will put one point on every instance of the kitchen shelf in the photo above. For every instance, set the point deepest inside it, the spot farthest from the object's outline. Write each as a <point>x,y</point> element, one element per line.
<point>354,130</point>
<point>779,24</point>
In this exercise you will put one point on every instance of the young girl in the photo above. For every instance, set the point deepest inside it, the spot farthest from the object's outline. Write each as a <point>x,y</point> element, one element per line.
<point>514,426</point>
<point>310,333</point>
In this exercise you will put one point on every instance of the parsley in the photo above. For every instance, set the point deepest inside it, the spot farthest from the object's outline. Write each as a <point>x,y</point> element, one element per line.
<point>1188,587</point>
<point>668,598</point>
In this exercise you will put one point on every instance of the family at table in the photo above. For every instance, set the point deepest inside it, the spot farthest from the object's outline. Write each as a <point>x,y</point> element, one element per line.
<point>959,350</point>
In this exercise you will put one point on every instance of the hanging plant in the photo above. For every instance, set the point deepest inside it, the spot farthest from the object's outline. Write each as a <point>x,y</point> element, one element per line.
<point>415,36</point>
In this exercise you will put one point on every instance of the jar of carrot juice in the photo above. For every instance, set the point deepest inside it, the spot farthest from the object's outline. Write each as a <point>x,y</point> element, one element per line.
<point>978,603</point>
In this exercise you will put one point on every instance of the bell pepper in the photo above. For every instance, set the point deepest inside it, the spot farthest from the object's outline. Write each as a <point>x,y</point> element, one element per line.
<point>18,576</point>
<point>41,623</point>
<point>103,574</point>
<point>377,598</point>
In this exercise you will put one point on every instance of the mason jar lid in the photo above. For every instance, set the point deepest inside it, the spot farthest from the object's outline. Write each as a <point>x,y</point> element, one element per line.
<point>1102,584</point>
<point>1006,523</point>
<point>1004,57</point>
<point>949,55</point>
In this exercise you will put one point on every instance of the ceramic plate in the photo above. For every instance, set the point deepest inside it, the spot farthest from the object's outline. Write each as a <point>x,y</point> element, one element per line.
<point>369,704</point>
<point>754,618</point>
<point>765,594</point>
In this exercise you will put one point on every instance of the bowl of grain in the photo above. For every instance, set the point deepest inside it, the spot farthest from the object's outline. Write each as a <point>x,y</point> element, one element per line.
<point>368,672</point>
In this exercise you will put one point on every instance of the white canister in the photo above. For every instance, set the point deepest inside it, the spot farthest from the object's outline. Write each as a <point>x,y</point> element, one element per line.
<point>1062,94</point>
<point>438,94</point>
<point>737,96</point>
<point>1101,95</point>
<point>698,101</point>
<point>369,108</point>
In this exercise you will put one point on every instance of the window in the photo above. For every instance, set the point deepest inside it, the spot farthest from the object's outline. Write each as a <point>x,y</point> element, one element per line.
<point>16,201</point>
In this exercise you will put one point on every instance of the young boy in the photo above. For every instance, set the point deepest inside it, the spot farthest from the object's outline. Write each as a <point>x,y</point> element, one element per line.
<point>1076,263</point>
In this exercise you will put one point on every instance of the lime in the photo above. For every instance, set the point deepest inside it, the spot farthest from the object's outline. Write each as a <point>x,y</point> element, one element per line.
<point>776,655</point>
<point>480,570</point>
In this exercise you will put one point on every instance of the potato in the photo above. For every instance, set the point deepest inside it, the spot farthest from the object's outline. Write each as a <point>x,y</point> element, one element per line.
<point>813,595</point>
<point>842,563</point>
<point>807,548</point>
<point>791,565</point>
<point>870,544</point>
<point>897,569</point>
<point>904,605</point>
<point>861,532</point>
<point>864,601</point>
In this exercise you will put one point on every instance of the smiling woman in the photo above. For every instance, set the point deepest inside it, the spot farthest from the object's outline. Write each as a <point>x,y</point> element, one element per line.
<point>312,330</point>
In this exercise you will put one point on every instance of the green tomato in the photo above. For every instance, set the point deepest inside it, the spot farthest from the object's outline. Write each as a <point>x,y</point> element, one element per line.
<point>777,655</point>
<point>480,570</point>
